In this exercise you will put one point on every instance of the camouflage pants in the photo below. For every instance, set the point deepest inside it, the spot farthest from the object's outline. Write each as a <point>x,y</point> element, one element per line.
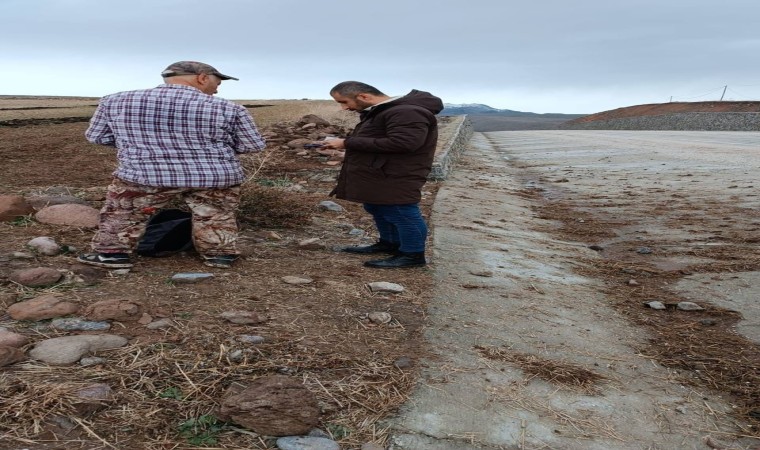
<point>128,207</point>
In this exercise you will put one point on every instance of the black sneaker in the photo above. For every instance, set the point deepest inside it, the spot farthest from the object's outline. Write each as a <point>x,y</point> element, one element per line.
<point>399,261</point>
<point>109,260</point>
<point>377,247</point>
<point>220,261</point>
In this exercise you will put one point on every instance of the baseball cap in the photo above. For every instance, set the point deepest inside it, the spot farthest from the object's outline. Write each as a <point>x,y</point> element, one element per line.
<point>192,68</point>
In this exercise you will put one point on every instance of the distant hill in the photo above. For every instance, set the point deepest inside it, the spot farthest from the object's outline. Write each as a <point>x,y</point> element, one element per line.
<point>656,109</point>
<point>478,109</point>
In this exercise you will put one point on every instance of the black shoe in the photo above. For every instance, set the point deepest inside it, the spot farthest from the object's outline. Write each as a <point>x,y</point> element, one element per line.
<point>398,261</point>
<point>377,247</point>
<point>109,260</point>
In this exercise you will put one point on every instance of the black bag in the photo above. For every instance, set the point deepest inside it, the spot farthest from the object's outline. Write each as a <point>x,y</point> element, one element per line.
<point>169,231</point>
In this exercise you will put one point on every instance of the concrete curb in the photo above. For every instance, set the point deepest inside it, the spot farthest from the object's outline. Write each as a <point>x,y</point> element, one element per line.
<point>451,150</point>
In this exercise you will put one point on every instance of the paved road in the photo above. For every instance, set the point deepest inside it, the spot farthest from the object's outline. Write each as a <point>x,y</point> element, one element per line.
<point>511,301</point>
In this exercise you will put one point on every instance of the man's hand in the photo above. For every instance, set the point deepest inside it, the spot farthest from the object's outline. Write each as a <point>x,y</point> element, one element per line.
<point>335,144</point>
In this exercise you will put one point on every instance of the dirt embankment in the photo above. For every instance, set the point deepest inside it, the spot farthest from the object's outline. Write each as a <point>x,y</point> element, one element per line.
<point>656,109</point>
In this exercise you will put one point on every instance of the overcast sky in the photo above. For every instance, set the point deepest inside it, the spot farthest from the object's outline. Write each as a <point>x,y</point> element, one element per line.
<point>579,56</point>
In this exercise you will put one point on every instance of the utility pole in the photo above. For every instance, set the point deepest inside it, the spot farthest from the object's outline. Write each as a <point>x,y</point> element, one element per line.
<point>724,93</point>
<point>671,99</point>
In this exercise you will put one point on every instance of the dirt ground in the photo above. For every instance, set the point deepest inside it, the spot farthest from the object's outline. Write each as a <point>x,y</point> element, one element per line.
<point>168,384</point>
<point>319,333</point>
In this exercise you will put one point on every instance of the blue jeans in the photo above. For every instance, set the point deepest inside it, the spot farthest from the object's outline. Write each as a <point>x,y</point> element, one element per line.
<point>400,224</point>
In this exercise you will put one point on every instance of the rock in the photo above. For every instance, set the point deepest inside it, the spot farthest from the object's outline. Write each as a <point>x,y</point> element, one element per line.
<point>311,244</point>
<point>241,317</point>
<point>596,248</point>
<point>656,305</point>
<point>77,324</point>
<point>332,163</point>
<point>36,277</point>
<point>44,245</point>
<point>379,317</point>
<point>88,361</point>
<point>191,277</point>
<point>48,306</point>
<point>689,306</point>
<point>145,319</point>
<point>356,232</point>
<point>644,250</point>
<point>296,280</point>
<point>88,274</point>
<point>633,282</point>
<point>249,339</point>
<point>403,362</point>
<point>316,432</point>
<point>113,309</point>
<point>384,286</point>
<point>306,443</point>
<point>10,355</point>
<point>120,272</point>
<point>313,118</point>
<point>275,405</point>
<point>92,398</point>
<point>10,339</point>
<point>159,324</point>
<point>708,322</point>
<point>69,349</point>
<point>21,255</point>
<point>13,207</point>
<point>327,205</point>
<point>69,214</point>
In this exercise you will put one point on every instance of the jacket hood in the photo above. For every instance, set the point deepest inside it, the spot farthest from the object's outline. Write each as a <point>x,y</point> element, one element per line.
<point>421,98</point>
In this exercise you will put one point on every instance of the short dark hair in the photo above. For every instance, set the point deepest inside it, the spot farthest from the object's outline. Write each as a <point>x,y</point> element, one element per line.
<point>354,88</point>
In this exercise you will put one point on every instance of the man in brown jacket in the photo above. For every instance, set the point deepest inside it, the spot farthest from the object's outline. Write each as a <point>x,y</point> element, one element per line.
<point>387,159</point>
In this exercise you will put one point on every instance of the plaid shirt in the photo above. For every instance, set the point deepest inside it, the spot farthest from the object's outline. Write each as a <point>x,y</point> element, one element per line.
<point>175,136</point>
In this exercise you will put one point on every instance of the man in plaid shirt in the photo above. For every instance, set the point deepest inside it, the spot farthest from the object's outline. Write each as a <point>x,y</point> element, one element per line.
<point>174,139</point>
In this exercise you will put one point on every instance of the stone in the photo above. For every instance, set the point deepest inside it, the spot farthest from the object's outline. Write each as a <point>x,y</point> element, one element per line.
<point>379,317</point>
<point>311,244</point>
<point>159,324</point>
<point>633,282</point>
<point>13,207</point>
<point>298,143</point>
<point>295,280</point>
<point>191,277</point>
<point>36,277</point>
<point>145,319</point>
<point>48,306</point>
<point>250,339</point>
<point>656,305</point>
<point>327,205</point>
<point>92,398</point>
<point>87,274</point>
<point>689,306</point>
<point>356,232</point>
<point>10,355</point>
<point>114,309</point>
<point>241,317</point>
<point>644,250</point>
<point>67,350</point>
<point>77,324</point>
<point>384,286</point>
<point>88,361</point>
<point>306,443</point>
<point>10,339</point>
<point>44,245</point>
<point>403,362</point>
<point>70,214</point>
<point>275,405</point>
<point>313,118</point>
